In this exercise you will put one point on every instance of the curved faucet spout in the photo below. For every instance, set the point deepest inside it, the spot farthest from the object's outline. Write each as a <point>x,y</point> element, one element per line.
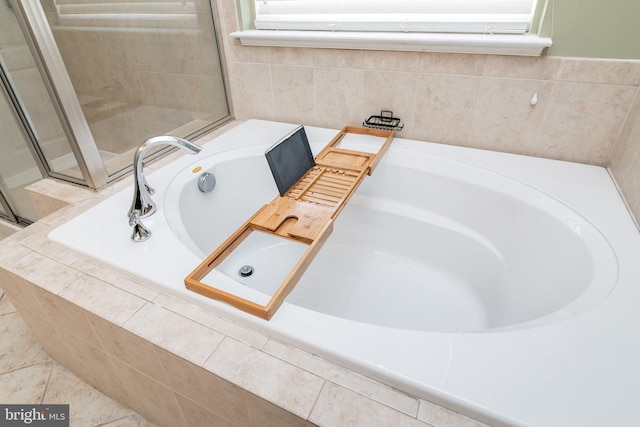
<point>142,204</point>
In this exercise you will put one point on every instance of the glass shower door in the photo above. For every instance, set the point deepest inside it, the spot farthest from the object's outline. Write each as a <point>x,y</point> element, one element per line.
<point>18,168</point>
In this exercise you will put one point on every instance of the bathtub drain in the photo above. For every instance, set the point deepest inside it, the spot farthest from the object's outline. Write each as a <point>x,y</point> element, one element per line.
<point>245,271</point>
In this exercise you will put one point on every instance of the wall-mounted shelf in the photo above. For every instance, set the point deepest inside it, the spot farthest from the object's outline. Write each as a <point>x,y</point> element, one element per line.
<point>305,214</point>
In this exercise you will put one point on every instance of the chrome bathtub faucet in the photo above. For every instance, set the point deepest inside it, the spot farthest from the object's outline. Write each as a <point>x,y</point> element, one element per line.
<point>142,205</point>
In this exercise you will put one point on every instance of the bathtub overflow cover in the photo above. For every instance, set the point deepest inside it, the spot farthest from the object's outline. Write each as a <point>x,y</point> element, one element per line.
<point>206,182</point>
<point>246,271</point>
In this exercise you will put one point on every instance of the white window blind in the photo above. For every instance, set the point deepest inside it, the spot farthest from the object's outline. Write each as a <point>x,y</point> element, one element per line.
<point>431,16</point>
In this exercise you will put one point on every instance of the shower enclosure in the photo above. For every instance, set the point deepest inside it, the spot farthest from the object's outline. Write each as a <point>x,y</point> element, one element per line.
<point>83,83</point>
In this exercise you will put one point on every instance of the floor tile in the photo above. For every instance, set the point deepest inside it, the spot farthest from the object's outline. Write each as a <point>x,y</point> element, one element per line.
<point>87,406</point>
<point>18,346</point>
<point>26,385</point>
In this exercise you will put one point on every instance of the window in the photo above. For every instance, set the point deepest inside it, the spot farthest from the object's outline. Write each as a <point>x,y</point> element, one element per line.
<point>440,16</point>
<point>469,26</point>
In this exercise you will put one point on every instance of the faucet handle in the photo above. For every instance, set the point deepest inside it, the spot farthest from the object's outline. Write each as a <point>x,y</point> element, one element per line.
<point>140,232</point>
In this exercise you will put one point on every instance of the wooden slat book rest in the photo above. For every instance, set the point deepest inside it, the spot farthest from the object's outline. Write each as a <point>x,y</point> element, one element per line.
<point>305,214</point>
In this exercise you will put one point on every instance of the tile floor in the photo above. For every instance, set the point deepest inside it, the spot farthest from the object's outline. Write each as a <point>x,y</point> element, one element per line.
<point>29,376</point>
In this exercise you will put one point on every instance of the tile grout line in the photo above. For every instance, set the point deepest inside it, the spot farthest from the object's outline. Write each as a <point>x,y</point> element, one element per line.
<point>46,387</point>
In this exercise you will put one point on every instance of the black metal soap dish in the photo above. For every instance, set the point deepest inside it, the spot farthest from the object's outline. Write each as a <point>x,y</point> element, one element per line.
<point>384,121</point>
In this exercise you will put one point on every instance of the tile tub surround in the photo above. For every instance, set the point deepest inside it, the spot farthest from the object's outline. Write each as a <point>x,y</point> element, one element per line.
<point>172,362</point>
<point>29,376</point>
<point>625,164</point>
<point>480,101</point>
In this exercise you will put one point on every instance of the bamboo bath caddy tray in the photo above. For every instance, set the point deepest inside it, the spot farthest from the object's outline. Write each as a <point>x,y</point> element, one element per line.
<point>305,214</point>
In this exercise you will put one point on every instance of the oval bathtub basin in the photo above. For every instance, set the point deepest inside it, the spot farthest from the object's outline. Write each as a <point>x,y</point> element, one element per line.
<point>454,248</point>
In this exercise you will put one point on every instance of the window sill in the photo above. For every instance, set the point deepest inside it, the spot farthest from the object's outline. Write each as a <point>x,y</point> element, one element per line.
<point>502,44</point>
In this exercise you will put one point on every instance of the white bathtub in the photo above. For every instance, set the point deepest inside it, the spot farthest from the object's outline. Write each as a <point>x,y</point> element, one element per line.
<point>487,282</point>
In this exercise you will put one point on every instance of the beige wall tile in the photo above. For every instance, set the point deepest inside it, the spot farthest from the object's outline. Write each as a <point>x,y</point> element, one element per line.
<point>294,389</point>
<point>390,90</point>
<point>196,415</point>
<point>631,188</point>
<point>252,91</point>
<point>115,279</point>
<point>130,349</point>
<point>220,324</point>
<point>522,67</point>
<point>504,118</point>
<point>218,395</point>
<point>265,414</point>
<point>441,101</point>
<point>453,63</point>
<point>45,272</point>
<point>251,54</point>
<point>583,122</point>
<point>345,377</point>
<point>599,71</point>
<point>293,93</point>
<point>392,61</point>
<point>48,337</point>
<point>175,333</point>
<point>336,406</point>
<point>339,95</point>
<point>338,58</point>
<point>291,56</point>
<point>67,317</point>
<point>150,398</point>
<point>624,162</point>
<point>95,367</point>
<point>21,292</point>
